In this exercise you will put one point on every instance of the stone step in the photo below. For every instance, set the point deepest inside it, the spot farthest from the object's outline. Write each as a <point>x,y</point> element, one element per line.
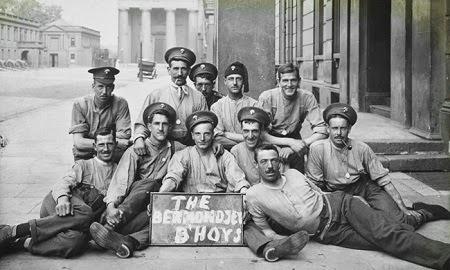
<point>382,110</point>
<point>416,163</point>
<point>402,147</point>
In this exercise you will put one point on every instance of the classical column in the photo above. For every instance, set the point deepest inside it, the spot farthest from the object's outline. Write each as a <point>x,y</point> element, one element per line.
<point>170,28</point>
<point>192,25</point>
<point>124,37</point>
<point>146,33</point>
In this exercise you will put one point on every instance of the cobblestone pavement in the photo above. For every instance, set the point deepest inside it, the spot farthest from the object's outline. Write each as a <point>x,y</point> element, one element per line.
<point>39,153</point>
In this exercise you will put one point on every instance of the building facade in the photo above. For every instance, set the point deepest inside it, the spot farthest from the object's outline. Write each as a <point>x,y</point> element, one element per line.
<point>159,25</point>
<point>20,39</point>
<point>387,56</point>
<point>68,44</point>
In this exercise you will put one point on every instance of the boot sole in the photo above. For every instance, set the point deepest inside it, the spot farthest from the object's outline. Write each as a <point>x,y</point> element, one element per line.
<point>109,240</point>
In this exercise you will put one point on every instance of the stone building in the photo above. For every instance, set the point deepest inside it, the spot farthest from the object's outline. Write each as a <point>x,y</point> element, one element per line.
<point>389,57</point>
<point>68,44</point>
<point>20,39</point>
<point>159,25</point>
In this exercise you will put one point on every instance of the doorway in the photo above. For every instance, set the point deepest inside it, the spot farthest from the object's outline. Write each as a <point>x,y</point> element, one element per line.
<point>54,59</point>
<point>24,56</point>
<point>375,95</point>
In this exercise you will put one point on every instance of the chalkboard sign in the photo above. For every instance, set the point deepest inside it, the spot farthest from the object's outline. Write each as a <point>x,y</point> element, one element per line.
<point>201,219</point>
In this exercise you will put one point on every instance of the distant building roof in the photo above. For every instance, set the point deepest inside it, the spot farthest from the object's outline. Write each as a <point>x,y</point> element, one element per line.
<point>69,27</point>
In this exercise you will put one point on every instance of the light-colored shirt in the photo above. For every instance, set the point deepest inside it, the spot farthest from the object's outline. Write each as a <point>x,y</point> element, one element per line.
<point>133,167</point>
<point>92,172</point>
<point>87,118</point>
<point>288,115</point>
<point>296,204</point>
<point>191,101</point>
<point>328,165</point>
<point>196,173</point>
<point>245,158</point>
<point>226,110</point>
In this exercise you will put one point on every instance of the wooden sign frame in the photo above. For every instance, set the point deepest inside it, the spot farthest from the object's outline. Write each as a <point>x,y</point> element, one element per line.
<point>180,224</point>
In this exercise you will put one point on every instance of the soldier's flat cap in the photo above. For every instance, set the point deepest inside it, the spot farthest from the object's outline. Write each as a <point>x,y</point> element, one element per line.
<point>254,114</point>
<point>203,68</point>
<point>159,108</point>
<point>340,109</point>
<point>104,74</point>
<point>240,69</point>
<point>201,117</point>
<point>180,54</point>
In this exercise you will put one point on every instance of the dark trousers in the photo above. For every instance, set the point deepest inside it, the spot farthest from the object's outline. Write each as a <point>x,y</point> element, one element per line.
<point>354,224</point>
<point>256,240</point>
<point>137,198</point>
<point>138,228</point>
<point>135,220</point>
<point>379,199</point>
<point>67,236</point>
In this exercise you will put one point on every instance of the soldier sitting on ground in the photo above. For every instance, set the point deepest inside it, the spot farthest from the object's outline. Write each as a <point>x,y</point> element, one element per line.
<point>341,163</point>
<point>70,207</point>
<point>126,224</point>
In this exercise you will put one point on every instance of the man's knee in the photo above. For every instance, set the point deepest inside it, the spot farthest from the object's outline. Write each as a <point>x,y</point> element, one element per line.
<point>83,216</point>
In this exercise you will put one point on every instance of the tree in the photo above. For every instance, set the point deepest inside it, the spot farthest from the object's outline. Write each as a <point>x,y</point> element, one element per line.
<point>32,10</point>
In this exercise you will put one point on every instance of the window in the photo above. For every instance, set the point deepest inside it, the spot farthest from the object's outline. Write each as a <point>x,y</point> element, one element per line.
<point>288,27</point>
<point>72,42</point>
<point>72,56</point>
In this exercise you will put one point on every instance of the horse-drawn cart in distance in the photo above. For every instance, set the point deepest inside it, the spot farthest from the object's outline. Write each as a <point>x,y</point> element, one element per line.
<point>148,69</point>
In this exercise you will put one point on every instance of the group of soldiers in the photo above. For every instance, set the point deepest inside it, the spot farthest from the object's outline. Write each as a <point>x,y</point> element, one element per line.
<point>197,141</point>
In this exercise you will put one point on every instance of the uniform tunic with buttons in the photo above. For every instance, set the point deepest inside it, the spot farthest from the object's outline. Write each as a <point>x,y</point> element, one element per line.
<point>196,173</point>
<point>191,101</point>
<point>92,172</point>
<point>226,110</point>
<point>332,168</point>
<point>296,204</point>
<point>288,115</point>
<point>133,167</point>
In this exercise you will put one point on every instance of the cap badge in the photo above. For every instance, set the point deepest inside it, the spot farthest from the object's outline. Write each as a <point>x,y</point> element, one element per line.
<point>252,111</point>
<point>202,66</point>
<point>194,117</point>
<point>181,50</point>
<point>162,105</point>
<point>107,71</point>
<point>345,109</point>
<point>233,67</point>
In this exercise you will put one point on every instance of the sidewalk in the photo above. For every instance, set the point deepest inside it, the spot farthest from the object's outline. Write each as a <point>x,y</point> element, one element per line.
<point>39,154</point>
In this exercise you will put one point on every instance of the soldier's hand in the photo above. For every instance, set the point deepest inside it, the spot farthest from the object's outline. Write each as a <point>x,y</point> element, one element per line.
<point>299,146</point>
<point>217,149</point>
<point>63,206</point>
<point>139,147</point>
<point>113,215</point>
<point>285,152</point>
<point>413,213</point>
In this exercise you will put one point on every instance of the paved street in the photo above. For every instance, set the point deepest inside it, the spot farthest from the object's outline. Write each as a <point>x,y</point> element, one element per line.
<point>35,112</point>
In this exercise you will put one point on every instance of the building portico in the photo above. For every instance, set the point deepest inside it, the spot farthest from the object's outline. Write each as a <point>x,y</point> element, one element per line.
<point>159,25</point>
